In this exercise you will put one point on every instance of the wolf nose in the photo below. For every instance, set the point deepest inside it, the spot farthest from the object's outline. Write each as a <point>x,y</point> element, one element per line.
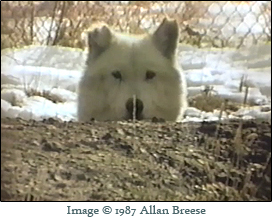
<point>139,106</point>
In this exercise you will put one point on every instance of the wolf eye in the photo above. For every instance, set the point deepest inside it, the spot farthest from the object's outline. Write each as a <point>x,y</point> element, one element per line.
<point>117,75</point>
<point>149,75</point>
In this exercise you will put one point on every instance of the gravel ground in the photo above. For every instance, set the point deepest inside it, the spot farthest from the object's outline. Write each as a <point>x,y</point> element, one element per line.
<point>142,161</point>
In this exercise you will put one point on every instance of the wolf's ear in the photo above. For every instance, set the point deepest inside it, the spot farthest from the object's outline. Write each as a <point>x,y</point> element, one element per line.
<point>98,40</point>
<point>165,37</point>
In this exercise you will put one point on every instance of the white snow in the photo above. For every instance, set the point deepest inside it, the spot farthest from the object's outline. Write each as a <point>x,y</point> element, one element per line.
<point>222,69</point>
<point>28,72</point>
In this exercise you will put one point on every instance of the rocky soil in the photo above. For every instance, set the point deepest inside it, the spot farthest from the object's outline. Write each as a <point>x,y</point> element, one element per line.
<point>142,161</point>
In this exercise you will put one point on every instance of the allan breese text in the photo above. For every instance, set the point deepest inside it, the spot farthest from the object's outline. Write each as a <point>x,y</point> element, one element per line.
<point>150,209</point>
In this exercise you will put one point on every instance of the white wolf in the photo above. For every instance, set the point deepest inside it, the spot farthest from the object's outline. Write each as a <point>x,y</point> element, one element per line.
<point>121,66</point>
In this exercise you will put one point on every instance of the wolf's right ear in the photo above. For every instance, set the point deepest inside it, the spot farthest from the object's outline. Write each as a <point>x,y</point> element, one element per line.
<point>98,40</point>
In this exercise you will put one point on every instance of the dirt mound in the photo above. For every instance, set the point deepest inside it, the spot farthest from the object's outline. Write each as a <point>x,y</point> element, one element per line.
<point>142,161</point>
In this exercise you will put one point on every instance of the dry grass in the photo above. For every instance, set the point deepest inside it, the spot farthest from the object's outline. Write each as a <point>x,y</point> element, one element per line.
<point>208,101</point>
<point>46,94</point>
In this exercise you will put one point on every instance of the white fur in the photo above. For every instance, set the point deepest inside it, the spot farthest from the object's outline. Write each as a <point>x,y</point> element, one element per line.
<point>103,97</point>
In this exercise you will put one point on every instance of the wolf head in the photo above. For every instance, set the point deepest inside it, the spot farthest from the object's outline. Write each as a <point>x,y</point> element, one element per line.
<point>120,67</point>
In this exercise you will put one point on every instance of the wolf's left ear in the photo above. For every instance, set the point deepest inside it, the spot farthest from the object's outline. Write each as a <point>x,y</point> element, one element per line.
<point>98,40</point>
<point>166,36</point>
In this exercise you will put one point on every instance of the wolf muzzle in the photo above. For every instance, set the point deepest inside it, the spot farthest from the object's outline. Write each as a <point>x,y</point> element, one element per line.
<point>139,106</point>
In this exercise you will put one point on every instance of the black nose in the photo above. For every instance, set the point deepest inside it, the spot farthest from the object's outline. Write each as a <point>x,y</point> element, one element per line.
<point>139,106</point>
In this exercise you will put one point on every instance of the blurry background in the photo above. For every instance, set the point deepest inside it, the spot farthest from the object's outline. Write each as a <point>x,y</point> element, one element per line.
<point>202,23</point>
